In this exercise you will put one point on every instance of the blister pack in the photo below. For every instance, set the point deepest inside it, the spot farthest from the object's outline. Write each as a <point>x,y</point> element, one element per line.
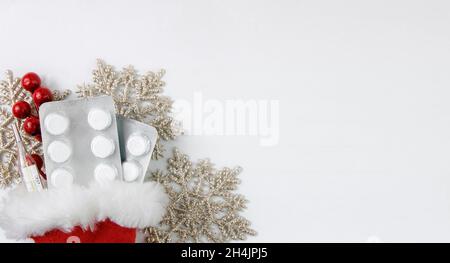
<point>80,141</point>
<point>137,141</point>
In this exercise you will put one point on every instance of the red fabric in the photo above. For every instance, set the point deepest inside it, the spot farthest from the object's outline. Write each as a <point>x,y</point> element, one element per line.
<point>104,232</point>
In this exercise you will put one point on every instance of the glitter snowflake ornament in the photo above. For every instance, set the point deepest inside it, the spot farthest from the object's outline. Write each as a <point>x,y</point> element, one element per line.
<point>203,207</point>
<point>137,97</point>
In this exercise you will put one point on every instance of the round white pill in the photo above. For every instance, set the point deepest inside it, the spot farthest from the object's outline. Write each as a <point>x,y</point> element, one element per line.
<point>138,144</point>
<point>99,119</point>
<point>105,173</point>
<point>61,178</point>
<point>131,170</point>
<point>56,124</point>
<point>102,146</point>
<point>59,151</point>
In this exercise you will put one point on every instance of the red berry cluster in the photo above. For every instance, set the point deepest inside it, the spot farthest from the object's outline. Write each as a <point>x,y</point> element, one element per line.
<point>22,109</point>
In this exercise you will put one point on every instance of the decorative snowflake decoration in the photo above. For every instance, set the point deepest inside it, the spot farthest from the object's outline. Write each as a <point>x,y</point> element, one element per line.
<point>203,207</point>
<point>136,97</point>
<point>11,92</point>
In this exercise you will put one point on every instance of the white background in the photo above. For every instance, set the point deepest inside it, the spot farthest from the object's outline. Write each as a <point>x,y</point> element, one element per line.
<point>364,91</point>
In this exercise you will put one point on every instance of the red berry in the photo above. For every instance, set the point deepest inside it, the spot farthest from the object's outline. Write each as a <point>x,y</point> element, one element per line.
<point>31,81</point>
<point>38,160</point>
<point>21,109</point>
<point>41,96</point>
<point>31,125</point>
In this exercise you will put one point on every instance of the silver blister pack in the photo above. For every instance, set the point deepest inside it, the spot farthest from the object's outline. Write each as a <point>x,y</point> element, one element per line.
<point>80,141</point>
<point>137,141</point>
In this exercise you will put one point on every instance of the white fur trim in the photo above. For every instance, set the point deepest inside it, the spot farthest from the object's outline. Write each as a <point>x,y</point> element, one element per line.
<point>3,239</point>
<point>133,205</point>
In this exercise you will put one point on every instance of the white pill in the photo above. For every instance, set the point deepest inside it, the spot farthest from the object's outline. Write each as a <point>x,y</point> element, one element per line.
<point>99,119</point>
<point>61,178</point>
<point>56,124</point>
<point>138,144</point>
<point>102,146</point>
<point>59,151</point>
<point>131,170</point>
<point>105,173</point>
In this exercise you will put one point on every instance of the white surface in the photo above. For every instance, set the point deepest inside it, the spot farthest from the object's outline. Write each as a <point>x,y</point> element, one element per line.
<point>363,89</point>
<point>99,119</point>
<point>56,124</point>
<point>102,146</point>
<point>59,151</point>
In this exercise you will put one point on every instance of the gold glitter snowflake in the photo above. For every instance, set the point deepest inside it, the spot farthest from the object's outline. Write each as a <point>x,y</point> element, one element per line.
<point>137,97</point>
<point>11,92</point>
<point>203,207</point>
